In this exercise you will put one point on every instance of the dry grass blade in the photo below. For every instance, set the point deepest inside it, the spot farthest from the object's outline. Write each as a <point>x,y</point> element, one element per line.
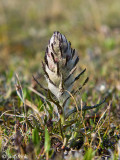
<point>19,91</point>
<point>19,88</point>
<point>5,112</point>
<point>33,107</point>
<point>13,115</point>
<point>39,115</point>
<point>56,136</point>
<point>39,94</point>
<point>74,101</point>
<point>97,126</point>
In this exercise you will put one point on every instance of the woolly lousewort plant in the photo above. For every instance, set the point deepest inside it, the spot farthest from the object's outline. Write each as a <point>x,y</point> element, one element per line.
<point>59,67</point>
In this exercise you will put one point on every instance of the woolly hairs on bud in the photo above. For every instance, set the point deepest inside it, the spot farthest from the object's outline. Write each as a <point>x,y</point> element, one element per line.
<point>59,67</point>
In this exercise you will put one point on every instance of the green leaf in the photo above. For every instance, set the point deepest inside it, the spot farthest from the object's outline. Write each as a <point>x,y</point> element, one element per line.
<point>84,97</point>
<point>89,154</point>
<point>109,43</point>
<point>35,136</point>
<point>47,140</point>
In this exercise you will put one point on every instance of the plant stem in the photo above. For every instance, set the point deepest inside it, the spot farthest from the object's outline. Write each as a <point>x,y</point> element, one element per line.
<point>60,127</point>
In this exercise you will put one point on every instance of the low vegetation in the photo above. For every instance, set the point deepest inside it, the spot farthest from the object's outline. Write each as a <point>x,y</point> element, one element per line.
<point>30,125</point>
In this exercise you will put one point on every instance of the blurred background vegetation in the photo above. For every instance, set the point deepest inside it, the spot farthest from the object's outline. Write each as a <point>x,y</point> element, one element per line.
<point>92,26</point>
